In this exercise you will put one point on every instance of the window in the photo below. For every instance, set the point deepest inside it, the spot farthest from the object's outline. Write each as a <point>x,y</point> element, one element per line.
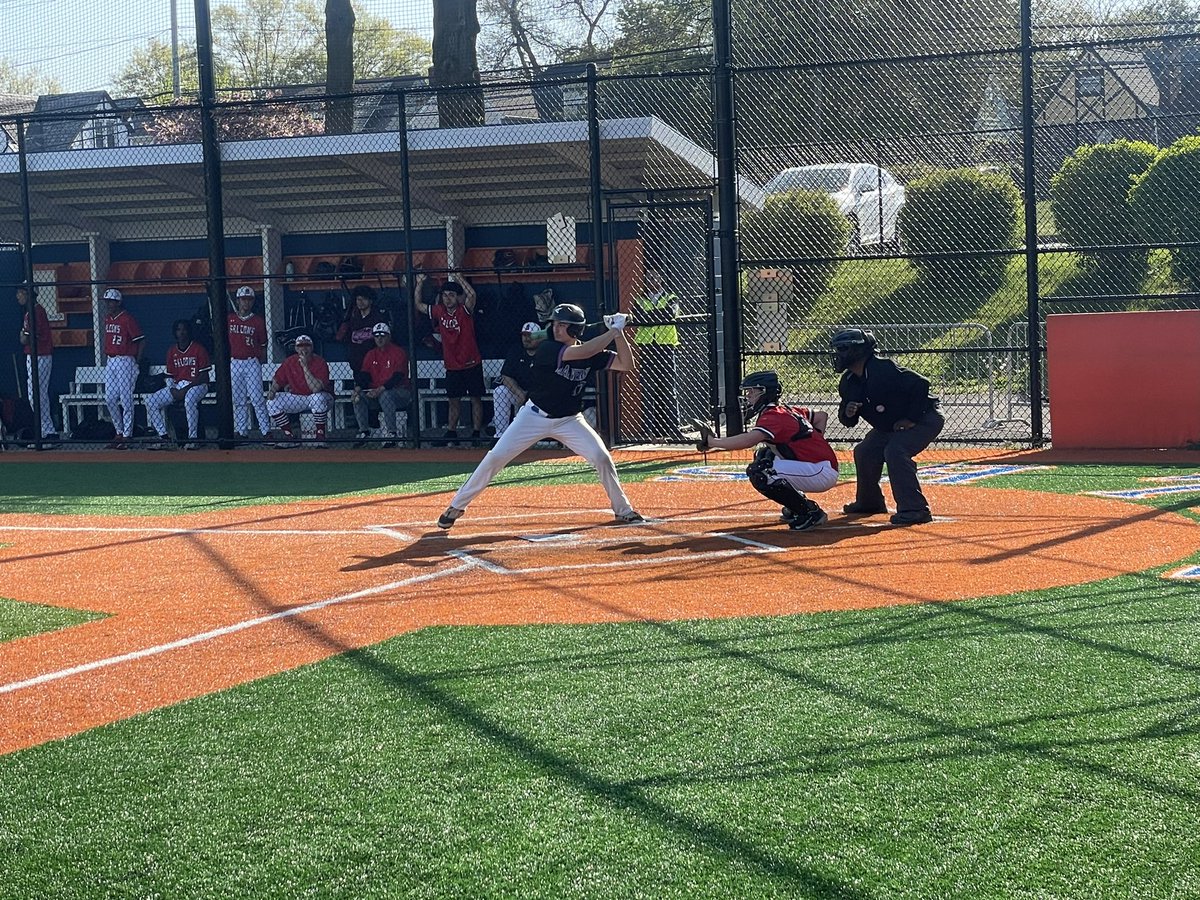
<point>1089,84</point>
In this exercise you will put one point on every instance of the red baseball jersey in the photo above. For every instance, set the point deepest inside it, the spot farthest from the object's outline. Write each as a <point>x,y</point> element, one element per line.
<point>457,329</point>
<point>384,362</point>
<point>779,424</point>
<point>121,334</point>
<point>291,376</point>
<point>45,346</point>
<point>186,365</point>
<point>247,337</point>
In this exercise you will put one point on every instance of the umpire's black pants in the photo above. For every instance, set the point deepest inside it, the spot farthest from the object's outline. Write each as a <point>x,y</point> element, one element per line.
<point>896,450</point>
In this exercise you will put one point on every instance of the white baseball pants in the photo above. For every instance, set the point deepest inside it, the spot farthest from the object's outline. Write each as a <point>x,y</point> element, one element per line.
<point>45,364</point>
<point>156,409</point>
<point>806,477</point>
<point>245,377</point>
<point>532,425</point>
<point>504,401</point>
<point>120,378</point>
<point>286,403</point>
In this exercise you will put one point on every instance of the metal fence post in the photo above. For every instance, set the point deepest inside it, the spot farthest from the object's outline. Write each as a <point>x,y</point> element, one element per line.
<point>218,306</point>
<point>410,304</point>
<point>31,300</point>
<point>1033,342</point>
<point>727,210</point>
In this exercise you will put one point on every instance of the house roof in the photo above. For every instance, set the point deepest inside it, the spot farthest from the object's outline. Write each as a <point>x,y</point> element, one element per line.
<point>53,127</point>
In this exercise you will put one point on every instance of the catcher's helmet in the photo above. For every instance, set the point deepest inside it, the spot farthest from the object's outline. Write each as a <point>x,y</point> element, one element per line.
<point>768,383</point>
<point>849,346</point>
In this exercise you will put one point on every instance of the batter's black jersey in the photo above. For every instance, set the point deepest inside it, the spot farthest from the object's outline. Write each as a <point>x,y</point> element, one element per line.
<point>519,367</point>
<point>558,385</point>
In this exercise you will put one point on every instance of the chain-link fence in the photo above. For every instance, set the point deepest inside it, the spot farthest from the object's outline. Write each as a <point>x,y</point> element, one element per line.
<point>888,175</point>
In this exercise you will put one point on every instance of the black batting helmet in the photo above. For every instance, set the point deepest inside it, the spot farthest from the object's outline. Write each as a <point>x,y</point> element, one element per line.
<point>572,315</point>
<point>849,346</point>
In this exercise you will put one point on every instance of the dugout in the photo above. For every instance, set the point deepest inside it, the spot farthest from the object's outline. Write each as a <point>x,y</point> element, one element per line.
<point>307,218</point>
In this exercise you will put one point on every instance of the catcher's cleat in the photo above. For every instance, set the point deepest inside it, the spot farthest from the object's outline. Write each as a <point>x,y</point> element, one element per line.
<point>448,518</point>
<point>814,518</point>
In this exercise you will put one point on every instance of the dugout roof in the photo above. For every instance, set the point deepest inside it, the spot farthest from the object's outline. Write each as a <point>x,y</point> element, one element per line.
<point>497,174</point>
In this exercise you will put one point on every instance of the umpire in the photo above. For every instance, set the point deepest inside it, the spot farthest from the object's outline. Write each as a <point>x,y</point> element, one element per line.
<point>904,420</point>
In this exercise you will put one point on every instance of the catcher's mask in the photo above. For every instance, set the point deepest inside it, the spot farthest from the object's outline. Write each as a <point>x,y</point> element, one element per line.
<point>572,315</point>
<point>849,346</point>
<point>759,390</point>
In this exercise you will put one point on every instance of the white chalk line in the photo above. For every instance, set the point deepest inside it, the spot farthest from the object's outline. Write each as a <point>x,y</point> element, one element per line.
<point>227,630</point>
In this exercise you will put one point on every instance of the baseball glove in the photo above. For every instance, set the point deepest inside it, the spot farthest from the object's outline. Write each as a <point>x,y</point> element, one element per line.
<point>706,435</point>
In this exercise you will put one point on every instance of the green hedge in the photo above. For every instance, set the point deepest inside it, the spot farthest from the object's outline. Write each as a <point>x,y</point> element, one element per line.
<point>962,210</point>
<point>1165,207</point>
<point>798,226</point>
<point>1090,199</point>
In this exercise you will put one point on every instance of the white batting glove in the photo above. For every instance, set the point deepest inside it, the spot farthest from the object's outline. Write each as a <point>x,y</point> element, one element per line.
<point>616,321</point>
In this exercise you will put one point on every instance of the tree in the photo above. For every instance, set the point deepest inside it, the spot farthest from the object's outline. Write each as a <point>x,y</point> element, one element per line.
<point>268,43</point>
<point>532,34</point>
<point>31,82</point>
<point>339,65</point>
<point>455,66</point>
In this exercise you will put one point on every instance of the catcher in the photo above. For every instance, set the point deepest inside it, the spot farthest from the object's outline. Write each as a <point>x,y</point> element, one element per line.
<point>797,457</point>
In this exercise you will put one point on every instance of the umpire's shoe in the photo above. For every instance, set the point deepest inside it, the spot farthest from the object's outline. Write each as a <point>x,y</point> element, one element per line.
<point>448,518</point>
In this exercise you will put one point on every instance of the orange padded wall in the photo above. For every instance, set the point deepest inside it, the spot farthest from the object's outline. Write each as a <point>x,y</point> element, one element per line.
<point>1128,379</point>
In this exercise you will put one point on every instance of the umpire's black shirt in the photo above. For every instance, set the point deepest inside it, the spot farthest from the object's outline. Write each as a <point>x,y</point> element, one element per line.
<point>887,392</point>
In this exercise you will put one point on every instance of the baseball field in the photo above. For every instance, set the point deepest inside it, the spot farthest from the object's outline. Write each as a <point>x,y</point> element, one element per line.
<point>255,674</point>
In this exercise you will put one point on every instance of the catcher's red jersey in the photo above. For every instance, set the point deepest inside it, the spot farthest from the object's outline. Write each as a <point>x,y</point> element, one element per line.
<point>780,425</point>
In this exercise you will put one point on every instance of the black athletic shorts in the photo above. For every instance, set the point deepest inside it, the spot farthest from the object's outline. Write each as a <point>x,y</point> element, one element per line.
<point>465,382</point>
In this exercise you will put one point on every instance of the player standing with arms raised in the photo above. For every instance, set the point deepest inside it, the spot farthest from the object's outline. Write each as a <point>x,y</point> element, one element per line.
<point>123,342</point>
<point>562,367</point>
<point>247,353</point>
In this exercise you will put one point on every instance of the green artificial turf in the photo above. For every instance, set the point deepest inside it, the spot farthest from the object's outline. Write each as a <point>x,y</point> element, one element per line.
<point>1040,745</point>
<point>194,487</point>
<point>23,619</point>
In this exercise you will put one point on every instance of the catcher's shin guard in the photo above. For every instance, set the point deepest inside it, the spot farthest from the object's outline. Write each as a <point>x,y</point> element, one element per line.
<point>768,482</point>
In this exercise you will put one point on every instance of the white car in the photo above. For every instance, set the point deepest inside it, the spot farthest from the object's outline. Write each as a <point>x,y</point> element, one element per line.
<point>867,195</point>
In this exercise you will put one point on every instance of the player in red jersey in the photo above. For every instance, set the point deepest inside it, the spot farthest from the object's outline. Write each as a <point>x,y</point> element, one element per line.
<point>799,458</point>
<point>383,382</point>
<point>123,342</point>
<point>301,384</point>
<point>453,318</point>
<point>247,353</point>
<point>188,373</point>
<point>39,325</point>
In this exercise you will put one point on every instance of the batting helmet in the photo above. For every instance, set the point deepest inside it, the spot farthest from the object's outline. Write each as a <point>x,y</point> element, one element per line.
<point>849,346</point>
<point>572,315</point>
<point>768,383</point>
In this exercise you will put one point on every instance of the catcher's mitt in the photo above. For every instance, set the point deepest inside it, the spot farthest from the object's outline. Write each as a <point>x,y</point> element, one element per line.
<point>706,435</point>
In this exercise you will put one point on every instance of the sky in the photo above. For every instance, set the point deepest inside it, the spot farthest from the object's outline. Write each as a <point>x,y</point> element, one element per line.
<point>85,43</point>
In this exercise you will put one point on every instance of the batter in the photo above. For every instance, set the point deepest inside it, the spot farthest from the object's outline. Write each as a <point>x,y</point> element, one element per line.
<point>562,367</point>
